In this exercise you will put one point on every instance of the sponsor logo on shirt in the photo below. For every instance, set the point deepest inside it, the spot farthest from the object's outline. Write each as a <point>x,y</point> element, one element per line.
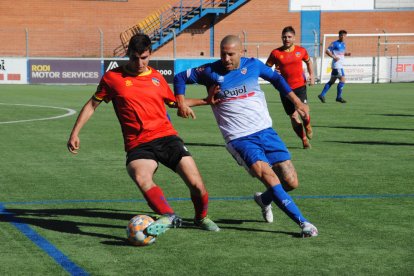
<point>156,81</point>
<point>234,92</point>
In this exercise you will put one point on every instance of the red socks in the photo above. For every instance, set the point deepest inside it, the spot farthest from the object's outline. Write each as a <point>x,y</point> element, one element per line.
<point>157,201</point>
<point>200,205</point>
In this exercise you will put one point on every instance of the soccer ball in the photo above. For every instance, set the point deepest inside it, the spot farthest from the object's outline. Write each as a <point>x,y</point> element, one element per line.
<point>136,230</point>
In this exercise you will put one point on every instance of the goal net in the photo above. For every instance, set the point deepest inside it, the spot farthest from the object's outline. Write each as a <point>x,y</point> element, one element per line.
<point>381,57</point>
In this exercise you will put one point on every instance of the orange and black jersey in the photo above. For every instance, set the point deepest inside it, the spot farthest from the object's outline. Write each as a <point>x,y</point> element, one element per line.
<point>290,64</point>
<point>139,103</point>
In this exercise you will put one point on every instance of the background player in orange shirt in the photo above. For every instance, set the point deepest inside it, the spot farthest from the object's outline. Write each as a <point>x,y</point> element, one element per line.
<point>139,95</point>
<point>288,62</point>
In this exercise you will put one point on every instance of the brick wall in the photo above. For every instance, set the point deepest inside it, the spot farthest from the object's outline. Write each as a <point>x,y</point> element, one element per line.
<point>72,27</point>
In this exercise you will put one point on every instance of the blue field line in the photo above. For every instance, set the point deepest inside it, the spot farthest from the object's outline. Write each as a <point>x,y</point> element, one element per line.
<point>46,202</point>
<point>44,244</point>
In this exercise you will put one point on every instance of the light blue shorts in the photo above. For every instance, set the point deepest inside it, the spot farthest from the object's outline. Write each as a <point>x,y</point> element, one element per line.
<point>264,145</point>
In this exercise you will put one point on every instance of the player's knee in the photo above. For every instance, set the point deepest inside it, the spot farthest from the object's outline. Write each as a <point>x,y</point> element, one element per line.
<point>196,186</point>
<point>295,117</point>
<point>264,173</point>
<point>143,181</point>
<point>290,182</point>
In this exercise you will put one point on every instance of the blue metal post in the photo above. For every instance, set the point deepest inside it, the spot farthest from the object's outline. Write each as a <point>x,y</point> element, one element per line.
<point>212,23</point>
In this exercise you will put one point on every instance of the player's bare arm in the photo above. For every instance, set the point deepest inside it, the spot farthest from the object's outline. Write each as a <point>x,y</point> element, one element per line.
<point>310,71</point>
<point>85,114</point>
<point>330,54</point>
<point>184,109</point>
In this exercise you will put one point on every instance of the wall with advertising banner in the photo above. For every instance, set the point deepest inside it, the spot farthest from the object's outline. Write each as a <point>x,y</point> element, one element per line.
<point>165,67</point>
<point>90,71</point>
<point>64,71</point>
<point>359,70</point>
<point>402,69</point>
<point>13,70</point>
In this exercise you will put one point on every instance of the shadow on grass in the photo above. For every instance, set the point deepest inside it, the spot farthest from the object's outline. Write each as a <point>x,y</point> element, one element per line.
<point>54,220</point>
<point>394,115</point>
<point>373,143</point>
<point>205,145</point>
<point>366,128</point>
<point>235,224</point>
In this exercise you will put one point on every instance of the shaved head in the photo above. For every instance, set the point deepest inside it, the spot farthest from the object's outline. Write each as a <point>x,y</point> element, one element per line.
<point>230,39</point>
<point>230,52</point>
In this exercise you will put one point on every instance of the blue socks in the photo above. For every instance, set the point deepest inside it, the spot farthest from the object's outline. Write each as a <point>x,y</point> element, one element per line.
<point>339,90</point>
<point>267,197</point>
<point>325,89</point>
<point>285,203</point>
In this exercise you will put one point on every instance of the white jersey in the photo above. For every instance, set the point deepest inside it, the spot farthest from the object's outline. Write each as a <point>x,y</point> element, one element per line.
<point>338,49</point>
<point>242,108</point>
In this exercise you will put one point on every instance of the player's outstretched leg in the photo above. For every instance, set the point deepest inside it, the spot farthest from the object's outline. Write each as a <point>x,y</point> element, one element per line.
<point>164,223</point>
<point>260,199</point>
<point>287,205</point>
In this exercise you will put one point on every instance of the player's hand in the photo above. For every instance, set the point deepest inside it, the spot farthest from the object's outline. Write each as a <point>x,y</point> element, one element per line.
<point>311,80</point>
<point>277,69</point>
<point>303,110</point>
<point>212,92</point>
<point>185,111</point>
<point>73,144</point>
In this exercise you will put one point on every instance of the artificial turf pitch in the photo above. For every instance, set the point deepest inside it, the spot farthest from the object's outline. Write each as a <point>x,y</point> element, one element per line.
<point>63,214</point>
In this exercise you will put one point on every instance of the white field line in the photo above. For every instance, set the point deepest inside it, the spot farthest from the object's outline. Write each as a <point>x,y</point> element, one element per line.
<point>69,112</point>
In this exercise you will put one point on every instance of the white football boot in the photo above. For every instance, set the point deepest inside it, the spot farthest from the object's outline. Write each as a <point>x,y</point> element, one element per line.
<point>266,209</point>
<point>308,230</point>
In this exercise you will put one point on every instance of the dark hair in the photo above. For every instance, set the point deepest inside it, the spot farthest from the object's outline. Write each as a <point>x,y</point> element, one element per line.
<point>139,43</point>
<point>288,29</point>
<point>342,32</point>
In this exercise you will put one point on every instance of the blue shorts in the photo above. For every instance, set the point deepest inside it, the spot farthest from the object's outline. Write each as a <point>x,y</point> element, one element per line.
<point>338,73</point>
<point>264,145</point>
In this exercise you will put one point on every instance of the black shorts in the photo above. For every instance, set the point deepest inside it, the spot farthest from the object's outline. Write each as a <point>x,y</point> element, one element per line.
<point>166,150</point>
<point>288,105</point>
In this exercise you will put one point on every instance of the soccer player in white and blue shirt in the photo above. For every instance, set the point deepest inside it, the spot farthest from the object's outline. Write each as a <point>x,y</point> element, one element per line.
<point>241,112</point>
<point>337,51</point>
